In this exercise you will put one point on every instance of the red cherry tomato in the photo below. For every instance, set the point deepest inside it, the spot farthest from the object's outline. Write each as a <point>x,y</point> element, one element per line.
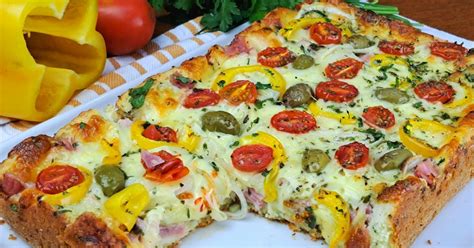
<point>448,51</point>
<point>325,33</point>
<point>336,91</point>
<point>125,25</point>
<point>353,156</point>
<point>58,178</point>
<point>252,158</point>
<point>396,48</point>
<point>434,91</point>
<point>275,56</point>
<point>171,169</point>
<point>201,99</point>
<point>379,116</point>
<point>241,91</point>
<point>181,81</point>
<point>158,133</point>
<point>343,69</point>
<point>293,121</point>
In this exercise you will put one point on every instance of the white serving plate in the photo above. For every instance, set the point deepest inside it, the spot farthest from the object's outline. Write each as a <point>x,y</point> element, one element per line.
<point>453,227</point>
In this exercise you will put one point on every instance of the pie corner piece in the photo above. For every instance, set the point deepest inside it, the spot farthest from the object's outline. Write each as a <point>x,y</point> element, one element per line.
<point>398,209</point>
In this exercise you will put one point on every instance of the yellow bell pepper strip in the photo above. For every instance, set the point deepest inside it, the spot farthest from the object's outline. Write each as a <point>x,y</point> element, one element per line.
<point>49,50</point>
<point>340,211</point>
<point>417,146</point>
<point>112,149</point>
<point>279,156</point>
<point>186,138</point>
<point>294,26</point>
<point>126,205</point>
<point>72,195</point>
<point>382,60</point>
<point>343,118</point>
<point>226,76</point>
<point>468,94</point>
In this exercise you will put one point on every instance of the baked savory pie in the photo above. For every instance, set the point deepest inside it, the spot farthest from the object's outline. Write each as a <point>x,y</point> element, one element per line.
<point>346,125</point>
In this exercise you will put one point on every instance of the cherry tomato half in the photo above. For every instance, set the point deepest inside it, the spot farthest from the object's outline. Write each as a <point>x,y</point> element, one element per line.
<point>325,33</point>
<point>379,116</point>
<point>293,121</point>
<point>252,158</point>
<point>353,156</point>
<point>434,91</point>
<point>447,50</point>
<point>396,48</point>
<point>336,91</point>
<point>171,169</point>
<point>58,178</point>
<point>241,91</point>
<point>343,69</point>
<point>201,99</point>
<point>158,133</point>
<point>125,25</point>
<point>275,56</point>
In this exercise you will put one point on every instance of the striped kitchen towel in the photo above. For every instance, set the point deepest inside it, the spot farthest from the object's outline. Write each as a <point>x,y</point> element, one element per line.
<point>119,70</point>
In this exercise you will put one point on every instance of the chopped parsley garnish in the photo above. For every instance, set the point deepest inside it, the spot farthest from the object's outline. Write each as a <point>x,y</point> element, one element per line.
<point>214,166</point>
<point>335,109</point>
<point>393,144</point>
<point>235,144</point>
<point>311,219</point>
<point>261,86</point>
<point>221,83</point>
<point>137,95</point>
<point>374,135</point>
<point>82,125</point>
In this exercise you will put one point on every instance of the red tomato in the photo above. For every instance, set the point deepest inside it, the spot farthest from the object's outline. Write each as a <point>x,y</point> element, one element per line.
<point>353,156</point>
<point>252,158</point>
<point>448,51</point>
<point>58,178</point>
<point>325,33</point>
<point>396,48</point>
<point>158,133</point>
<point>293,121</point>
<point>181,81</point>
<point>336,91</point>
<point>434,91</point>
<point>275,56</point>
<point>241,91</point>
<point>379,117</point>
<point>125,25</point>
<point>343,69</point>
<point>170,170</point>
<point>201,99</point>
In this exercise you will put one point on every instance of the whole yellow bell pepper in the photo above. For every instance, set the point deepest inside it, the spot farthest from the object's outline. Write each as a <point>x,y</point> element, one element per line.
<point>279,156</point>
<point>340,211</point>
<point>343,118</point>
<point>72,195</point>
<point>276,79</point>
<point>48,50</point>
<point>417,146</point>
<point>126,205</point>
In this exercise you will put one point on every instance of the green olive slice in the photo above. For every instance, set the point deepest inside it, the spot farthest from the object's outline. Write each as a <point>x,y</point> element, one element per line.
<point>220,121</point>
<point>297,95</point>
<point>392,160</point>
<point>360,42</point>
<point>110,178</point>
<point>303,61</point>
<point>314,160</point>
<point>392,95</point>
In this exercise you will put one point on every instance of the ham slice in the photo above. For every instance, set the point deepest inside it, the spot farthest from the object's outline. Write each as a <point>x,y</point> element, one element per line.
<point>11,185</point>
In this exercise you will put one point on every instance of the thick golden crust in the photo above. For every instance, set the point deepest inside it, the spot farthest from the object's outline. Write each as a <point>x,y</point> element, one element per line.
<point>416,204</point>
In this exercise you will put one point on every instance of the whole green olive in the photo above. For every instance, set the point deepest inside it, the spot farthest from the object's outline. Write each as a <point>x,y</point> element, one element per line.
<point>110,178</point>
<point>360,42</point>
<point>303,61</point>
<point>392,95</point>
<point>392,160</point>
<point>220,121</point>
<point>297,95</point>
<point>314,160</point>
